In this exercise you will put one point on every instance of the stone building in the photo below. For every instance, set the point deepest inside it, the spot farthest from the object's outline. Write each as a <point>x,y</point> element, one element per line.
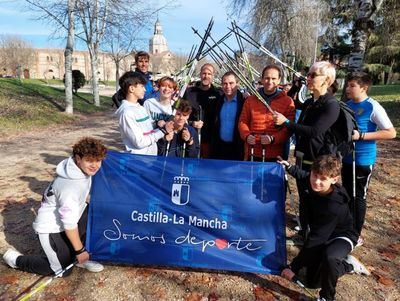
<point>50,64</point>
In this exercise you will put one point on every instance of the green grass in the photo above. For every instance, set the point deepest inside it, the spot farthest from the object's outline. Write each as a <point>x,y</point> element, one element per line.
<point>109,83</point>
<point>29,104</point>
<point>389,97</point>
<point>44,81</point>
<point>386,92</point>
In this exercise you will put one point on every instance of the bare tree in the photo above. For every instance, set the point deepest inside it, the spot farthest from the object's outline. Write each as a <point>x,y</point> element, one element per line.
<point>286,28</point>
<point>16,54</point>
<point>179,61</point>
<point>92,18</point>
<point>120,42</point>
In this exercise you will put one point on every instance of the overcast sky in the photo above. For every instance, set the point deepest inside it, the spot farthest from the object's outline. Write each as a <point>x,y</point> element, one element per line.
<point>17,20</point>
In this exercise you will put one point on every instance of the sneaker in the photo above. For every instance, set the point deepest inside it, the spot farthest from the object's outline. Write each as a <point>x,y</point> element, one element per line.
<point>358,267</point>
<point>10,257</point>
<point>91,266</point>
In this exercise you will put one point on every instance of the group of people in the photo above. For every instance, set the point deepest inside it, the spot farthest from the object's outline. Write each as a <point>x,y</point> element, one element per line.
<point>227,124</point>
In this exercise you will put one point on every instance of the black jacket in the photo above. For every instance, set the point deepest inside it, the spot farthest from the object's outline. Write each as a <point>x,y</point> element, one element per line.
<point>314,122</point>
<point>329,217</point>
<point>238,148</point>
<point>175,147</point>
<point>207,100</point>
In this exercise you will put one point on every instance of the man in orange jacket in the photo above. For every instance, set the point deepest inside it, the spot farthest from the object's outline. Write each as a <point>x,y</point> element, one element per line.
<point>256,123</point>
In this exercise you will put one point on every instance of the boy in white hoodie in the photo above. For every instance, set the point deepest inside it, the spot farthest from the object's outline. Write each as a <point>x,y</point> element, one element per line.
<point>62,217</point>
<point>135,124</point>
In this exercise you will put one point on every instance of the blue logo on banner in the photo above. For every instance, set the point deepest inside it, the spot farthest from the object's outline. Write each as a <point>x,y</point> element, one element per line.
<point>212,214</point>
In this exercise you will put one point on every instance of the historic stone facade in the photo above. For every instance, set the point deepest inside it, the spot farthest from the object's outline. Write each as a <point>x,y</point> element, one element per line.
<point>50,64</point>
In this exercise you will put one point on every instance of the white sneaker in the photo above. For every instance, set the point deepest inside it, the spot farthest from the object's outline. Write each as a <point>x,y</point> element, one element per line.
<point>91,266</point>
<point>10,257</point>
<point>358,267</point>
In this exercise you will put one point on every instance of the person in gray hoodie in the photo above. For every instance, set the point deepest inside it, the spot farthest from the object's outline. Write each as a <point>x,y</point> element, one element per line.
<point>62,217</point>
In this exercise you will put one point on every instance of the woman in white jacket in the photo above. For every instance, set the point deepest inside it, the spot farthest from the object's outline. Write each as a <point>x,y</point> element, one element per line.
<point>62,217</point>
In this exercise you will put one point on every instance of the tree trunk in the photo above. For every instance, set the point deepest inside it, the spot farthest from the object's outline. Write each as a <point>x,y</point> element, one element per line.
<point>390,75</point>
<point>363,25</point>
<point>95,79</point>
<point>69,49</point>
<point>362,28</point>
<point>117,74</point>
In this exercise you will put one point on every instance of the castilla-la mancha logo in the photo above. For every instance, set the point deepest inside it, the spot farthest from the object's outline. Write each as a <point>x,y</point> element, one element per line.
<point>180,190</point>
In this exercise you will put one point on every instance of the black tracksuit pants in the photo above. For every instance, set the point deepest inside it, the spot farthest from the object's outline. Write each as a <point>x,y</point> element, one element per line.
<point>58,249</point>
<point>326,265</point>
<point>358,206</point>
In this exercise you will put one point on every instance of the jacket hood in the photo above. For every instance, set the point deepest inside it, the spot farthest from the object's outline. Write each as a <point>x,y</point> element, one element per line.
<point>69,170</point>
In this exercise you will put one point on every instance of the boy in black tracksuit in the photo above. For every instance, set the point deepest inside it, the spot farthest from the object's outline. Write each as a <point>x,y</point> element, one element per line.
<point>183,141</point>
<point>331,237</point>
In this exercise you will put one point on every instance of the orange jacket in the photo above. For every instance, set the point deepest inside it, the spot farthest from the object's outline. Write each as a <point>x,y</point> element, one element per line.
<point>257,119</point>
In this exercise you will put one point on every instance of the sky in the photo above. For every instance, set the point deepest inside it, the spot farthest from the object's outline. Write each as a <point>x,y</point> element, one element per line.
<point>16,19</point>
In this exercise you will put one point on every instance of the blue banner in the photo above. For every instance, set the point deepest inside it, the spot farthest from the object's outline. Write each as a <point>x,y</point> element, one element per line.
<point>212,214</point>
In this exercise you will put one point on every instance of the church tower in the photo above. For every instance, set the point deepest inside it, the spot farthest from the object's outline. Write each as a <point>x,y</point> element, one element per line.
<point>158,43</point>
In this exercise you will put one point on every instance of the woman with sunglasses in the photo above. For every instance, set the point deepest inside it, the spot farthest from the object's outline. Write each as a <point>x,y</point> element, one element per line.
<point>319,113</point>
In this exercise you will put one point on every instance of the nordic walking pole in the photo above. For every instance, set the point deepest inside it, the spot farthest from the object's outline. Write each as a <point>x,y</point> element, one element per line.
<point>240,75</point>
<point>291,198</point>
<point>299,283</point>
<point>236,70</point>
<point>243,53</point>
<point>196,59</point>
<point>167,148</point>
<point>183,149</point>
<point>262,170</point>
<point>354,183</point>
<point>245,36</point>
<point>263,152</point>
<point>200,117</point>
<point>28,295</point>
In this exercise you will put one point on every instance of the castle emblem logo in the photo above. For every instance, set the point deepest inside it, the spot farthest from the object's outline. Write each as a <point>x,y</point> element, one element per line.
<point>180,192</point>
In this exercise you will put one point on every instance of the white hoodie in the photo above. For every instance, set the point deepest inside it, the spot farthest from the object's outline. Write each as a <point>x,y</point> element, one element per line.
<point>64,200</point>
<point>136,128</point>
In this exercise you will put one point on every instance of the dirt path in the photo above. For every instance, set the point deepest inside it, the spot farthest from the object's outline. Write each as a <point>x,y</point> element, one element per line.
<point>27,165</point>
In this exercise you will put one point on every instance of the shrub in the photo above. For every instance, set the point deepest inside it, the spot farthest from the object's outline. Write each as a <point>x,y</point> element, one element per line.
<point>78,80</point>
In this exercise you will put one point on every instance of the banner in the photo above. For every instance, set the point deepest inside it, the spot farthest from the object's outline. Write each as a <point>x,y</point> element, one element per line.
<point>212,214</point>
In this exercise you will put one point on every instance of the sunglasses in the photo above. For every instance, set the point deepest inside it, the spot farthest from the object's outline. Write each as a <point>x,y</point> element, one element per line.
<point>314,75</point>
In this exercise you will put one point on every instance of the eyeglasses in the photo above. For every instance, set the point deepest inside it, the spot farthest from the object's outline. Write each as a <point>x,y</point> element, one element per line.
<point>314,75</point>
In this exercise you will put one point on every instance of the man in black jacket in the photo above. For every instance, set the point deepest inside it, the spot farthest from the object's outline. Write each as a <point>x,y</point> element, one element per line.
<point>226,141</point>
<point>203,99</point>
<point>332,236</point>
